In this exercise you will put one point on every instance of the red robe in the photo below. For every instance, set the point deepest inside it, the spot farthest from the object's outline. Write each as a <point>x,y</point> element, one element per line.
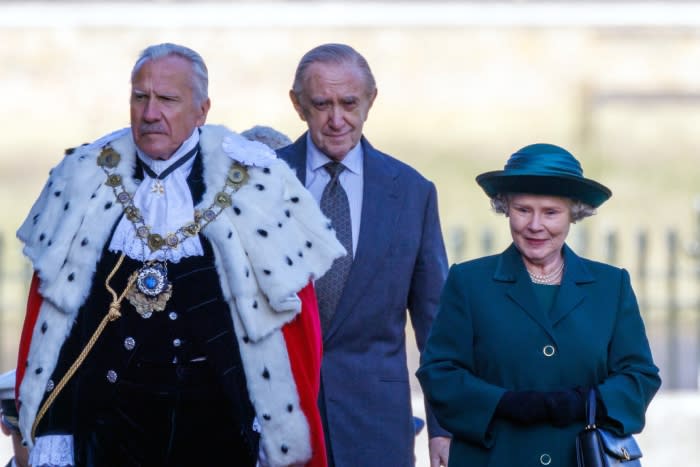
<point>302,336</point>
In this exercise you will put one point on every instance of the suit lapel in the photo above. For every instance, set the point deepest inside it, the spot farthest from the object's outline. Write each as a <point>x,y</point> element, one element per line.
<point>295,155</point>
<point>380,211</point>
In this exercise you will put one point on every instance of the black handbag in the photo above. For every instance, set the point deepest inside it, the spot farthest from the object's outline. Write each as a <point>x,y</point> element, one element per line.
<point>598,447</point>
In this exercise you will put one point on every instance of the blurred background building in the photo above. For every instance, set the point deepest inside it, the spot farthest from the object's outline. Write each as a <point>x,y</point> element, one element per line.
<point>462,84</point>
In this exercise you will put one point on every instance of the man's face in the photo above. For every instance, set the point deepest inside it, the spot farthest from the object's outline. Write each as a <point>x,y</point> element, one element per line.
<point>334,103</point>
<point>163,109</point>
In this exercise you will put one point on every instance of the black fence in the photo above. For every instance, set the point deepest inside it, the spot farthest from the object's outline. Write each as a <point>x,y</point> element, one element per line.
<point>665,269</point>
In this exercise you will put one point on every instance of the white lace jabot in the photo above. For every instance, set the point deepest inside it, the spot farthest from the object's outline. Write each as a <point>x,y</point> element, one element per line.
<point>166,205</point>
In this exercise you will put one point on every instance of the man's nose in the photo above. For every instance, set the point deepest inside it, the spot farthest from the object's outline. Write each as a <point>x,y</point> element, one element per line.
<point>151,111</point>
<point>336,117</point>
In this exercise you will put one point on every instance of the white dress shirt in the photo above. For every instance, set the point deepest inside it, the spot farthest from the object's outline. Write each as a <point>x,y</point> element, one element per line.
<point>351,179</point>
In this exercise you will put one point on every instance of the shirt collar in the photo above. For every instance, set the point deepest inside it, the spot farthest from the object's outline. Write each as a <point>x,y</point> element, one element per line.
<point>316,159</point>
<point>159,166</point>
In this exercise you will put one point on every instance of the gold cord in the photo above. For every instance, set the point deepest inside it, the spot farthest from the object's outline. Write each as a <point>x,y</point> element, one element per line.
<point>113,314</point>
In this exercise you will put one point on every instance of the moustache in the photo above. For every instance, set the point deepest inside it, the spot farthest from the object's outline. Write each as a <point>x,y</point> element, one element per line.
<point>145,128</point>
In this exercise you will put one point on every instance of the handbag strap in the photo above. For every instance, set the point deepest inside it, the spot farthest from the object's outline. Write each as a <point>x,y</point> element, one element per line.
<point>590,409</point>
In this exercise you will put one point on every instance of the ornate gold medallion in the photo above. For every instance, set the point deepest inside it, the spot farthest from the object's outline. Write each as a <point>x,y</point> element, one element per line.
<point>151,290</point>
<point>108,158</point>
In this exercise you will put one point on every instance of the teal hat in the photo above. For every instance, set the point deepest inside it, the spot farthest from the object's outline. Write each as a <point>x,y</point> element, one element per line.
<point>544,169</point>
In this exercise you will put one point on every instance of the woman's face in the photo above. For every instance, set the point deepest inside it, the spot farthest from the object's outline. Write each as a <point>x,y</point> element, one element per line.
<point>539,225</point>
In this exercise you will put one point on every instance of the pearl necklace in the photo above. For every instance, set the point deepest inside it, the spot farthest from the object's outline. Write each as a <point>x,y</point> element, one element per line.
<point>552,278</point>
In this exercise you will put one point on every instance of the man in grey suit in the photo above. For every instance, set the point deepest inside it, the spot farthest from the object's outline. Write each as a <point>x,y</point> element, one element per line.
<point>385,213</point>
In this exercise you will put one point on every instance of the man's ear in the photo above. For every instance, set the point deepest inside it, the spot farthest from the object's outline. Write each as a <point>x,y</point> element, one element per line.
<point>297,105</point>
<point>204,110</point>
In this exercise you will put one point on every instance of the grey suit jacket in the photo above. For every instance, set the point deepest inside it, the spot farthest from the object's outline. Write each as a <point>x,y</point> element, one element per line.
<point>400,264</point>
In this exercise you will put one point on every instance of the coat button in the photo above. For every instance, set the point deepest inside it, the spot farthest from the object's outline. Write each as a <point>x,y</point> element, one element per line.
<point>172,315</point>
<point>545,459</point>
<point>112,376</point>
<point>50,385</point>
<point>129,343</point>
<point>177,342</point>
<point>548,350</point>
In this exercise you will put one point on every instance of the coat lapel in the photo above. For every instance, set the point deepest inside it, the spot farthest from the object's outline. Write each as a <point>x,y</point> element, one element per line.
<point>380,211</point>
<point>511,269</point>
<point>570,293</point>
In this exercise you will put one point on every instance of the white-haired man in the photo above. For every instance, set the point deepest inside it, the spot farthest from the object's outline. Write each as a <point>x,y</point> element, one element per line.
<point>170,320</point>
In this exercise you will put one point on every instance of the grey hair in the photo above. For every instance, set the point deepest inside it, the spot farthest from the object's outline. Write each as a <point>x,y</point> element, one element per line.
<point>267,135</point>
<point>578,209</point>
<point>200,75</point>
<point>335,54</point>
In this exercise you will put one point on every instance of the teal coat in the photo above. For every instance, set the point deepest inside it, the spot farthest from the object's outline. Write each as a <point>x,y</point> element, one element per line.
<point>490,335</point>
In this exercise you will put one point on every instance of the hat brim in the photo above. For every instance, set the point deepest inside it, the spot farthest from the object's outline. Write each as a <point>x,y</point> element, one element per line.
<point>582,189</point>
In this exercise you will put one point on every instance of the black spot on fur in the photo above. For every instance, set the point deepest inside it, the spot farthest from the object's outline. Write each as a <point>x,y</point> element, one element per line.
<point>262,232</point>
<point>266,170</point>
<point>295,199</point>
<point>49,243</point>
<point>57,194</point>
<point>290,408</point>
<point>300,254</point>
<point>230,234</point>
<point>237,210</point>
<point>44,327</point>
<point>267,272</point>
<point>66,206</point>
<point>289,261</point>
<point>287,213</point>
<point>266,374</point>
<point>108,205</point>
<point>267,416</point>
<point>84,242</point>
<point>284,449</point>
<point>308,244</point>
<point>42,237</point>
<point>246,339</point>
<point>259,187</point>
<point>71,277</point>
<point>255,304</point>
<point>39,371</point>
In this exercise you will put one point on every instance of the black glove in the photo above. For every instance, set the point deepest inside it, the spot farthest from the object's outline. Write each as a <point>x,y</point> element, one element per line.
<point>524,407</point>
<point>566,407</point>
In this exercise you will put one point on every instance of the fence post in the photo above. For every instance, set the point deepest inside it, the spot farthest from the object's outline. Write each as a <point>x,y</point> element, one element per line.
<point>642,272</point>
<point>457,237</point>
<point>580,240</point>
<point>611,247</point>
<point>695,252</point>
<point>672,354</point>
<point>486,241</point>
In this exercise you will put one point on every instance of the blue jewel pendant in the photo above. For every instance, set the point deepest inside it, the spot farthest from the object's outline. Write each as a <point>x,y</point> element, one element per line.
<point>151,289</point>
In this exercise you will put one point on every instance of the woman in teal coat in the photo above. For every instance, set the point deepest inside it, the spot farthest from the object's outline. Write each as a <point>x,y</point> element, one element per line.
<point>521,337</point>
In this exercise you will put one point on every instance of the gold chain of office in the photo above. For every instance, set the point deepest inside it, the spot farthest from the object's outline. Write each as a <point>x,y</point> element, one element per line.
<point>236,178</point>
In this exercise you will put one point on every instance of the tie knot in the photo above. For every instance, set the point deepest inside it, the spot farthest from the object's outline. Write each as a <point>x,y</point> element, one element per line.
<point>334,169</point>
